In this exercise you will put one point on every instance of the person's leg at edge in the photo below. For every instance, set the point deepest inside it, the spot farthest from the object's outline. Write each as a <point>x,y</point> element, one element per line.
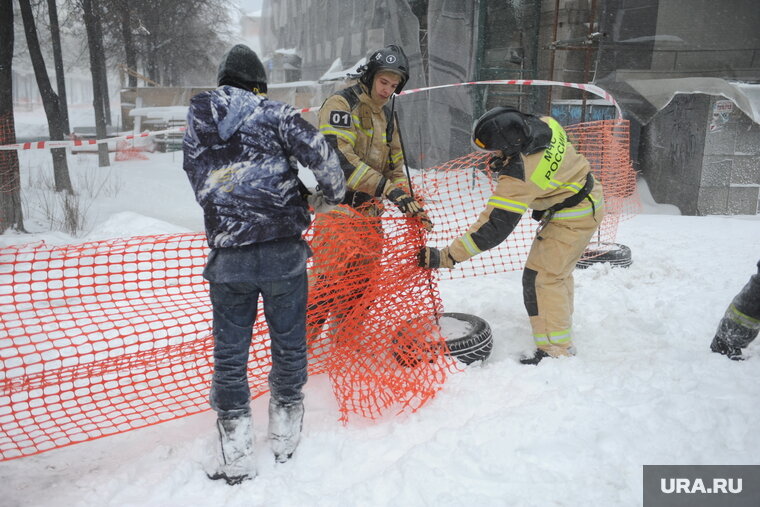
<point>285,311</point>
<point>234,312</point>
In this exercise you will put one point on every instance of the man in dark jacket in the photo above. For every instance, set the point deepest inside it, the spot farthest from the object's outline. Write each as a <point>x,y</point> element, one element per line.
<point>740,324</point>
<point>240,153</point>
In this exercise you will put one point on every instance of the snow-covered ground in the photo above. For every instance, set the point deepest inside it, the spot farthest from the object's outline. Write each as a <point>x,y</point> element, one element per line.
<point>643,389</point>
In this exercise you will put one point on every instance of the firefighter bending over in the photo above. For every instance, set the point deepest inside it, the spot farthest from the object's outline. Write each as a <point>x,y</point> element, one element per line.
<point>538,168</point>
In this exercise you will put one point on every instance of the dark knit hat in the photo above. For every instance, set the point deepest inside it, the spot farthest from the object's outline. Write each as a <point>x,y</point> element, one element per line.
<point>240,67</point>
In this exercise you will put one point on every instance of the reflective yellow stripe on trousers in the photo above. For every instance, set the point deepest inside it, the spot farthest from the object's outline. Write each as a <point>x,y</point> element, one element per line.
<point>555,337</point>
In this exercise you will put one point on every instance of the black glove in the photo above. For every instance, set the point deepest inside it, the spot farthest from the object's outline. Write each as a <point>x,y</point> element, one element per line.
<point>405,202</point>
<point>496,163</point>
<point>433,258</point>
<point>408,205</point>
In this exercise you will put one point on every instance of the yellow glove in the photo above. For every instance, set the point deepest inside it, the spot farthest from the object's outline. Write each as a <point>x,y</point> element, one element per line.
<point>433,258</point>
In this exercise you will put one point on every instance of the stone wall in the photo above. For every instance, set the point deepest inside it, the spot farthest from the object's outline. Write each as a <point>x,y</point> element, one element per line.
<point>730,182</point>
<point>702,154</point>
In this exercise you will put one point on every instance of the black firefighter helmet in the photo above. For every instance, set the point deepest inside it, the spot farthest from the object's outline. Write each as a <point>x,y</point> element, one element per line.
<point>501,128</point>
<point>390,58</point>
<point>241,67</point>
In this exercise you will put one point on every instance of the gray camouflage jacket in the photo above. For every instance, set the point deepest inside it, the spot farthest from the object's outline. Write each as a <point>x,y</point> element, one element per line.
<point>240,153</point>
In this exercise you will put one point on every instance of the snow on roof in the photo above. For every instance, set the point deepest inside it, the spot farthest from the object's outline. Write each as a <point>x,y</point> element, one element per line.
<point>752,92</point>
<point>163,113</point>
<point>291,84</point>
<point>335,72</point>
<point>659,92</point>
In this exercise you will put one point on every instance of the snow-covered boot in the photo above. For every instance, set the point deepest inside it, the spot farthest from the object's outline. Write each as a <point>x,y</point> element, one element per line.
<point>720,346</point>
<point>285,423</point>
<point>235,463</point>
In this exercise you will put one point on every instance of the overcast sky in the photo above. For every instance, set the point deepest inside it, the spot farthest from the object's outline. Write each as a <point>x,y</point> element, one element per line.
<point>250,5</point>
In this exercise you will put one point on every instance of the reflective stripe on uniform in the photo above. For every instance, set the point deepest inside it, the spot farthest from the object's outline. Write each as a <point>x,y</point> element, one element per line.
<point>555,337</point>
<point>574,187</point>
<point>401,180</point>
<point>470,245</point>
<point>570,213</point>
<point>398,156</point>
<point>742,319</point>
<point>559,337</point>
<point>508,204</point>
<point>357,175</point>
<point>357,124</point>
<point>345,134</point>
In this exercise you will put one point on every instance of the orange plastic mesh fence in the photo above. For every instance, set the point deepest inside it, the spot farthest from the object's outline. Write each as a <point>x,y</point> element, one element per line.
<point>104,337</point>
<point>100,338</point>
<point>457,191</point>
<point>372,313</point>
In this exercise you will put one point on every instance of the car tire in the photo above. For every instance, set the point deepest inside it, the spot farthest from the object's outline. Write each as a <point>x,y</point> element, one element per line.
<point>473,344</point>
<point>615,254</point>
<point>468,339</point>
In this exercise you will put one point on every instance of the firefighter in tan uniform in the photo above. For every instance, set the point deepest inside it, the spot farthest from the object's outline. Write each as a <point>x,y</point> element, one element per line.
<point>359,123</point>
<point>538,168</point>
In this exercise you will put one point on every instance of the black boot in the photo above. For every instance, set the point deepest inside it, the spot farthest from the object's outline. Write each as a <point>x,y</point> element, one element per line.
<point>536,358</point>
<point>720,346</point>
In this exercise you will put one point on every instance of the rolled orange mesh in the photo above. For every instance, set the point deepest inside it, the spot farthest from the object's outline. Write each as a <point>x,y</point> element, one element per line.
<point>104,337</point>
<point>372,313</point>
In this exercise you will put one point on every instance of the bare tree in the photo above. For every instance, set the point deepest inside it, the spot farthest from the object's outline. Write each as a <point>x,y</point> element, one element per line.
<point>124,10</point>
<point>98,11</point>
<point>60,77</point>
<point>95,46</point>
<point>180,41</point>
<point>11,216</point>
<point>50,100</point>
<point>173,42</point>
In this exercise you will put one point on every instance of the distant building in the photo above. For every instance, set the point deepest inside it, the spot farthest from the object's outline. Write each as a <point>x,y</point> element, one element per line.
<point>644,53</point>
<point>250,30</point>
<point>26,93</point>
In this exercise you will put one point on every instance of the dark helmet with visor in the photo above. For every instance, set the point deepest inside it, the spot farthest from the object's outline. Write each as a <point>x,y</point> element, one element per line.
<point>501,128</point>
<point>392,59</point>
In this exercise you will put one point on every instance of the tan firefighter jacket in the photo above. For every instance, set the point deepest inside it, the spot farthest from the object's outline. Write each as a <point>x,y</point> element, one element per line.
<point>357,128</point>
<point>537,181</point>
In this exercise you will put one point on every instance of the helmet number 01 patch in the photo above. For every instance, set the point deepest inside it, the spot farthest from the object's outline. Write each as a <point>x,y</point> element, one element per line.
<point>340,119</point>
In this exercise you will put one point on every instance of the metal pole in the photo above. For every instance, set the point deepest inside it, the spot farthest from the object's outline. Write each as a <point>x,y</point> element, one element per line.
<point>403,149</point>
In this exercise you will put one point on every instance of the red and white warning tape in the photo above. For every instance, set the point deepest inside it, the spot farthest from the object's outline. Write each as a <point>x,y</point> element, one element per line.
<point>48,145</point>
<point>599,92</point>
